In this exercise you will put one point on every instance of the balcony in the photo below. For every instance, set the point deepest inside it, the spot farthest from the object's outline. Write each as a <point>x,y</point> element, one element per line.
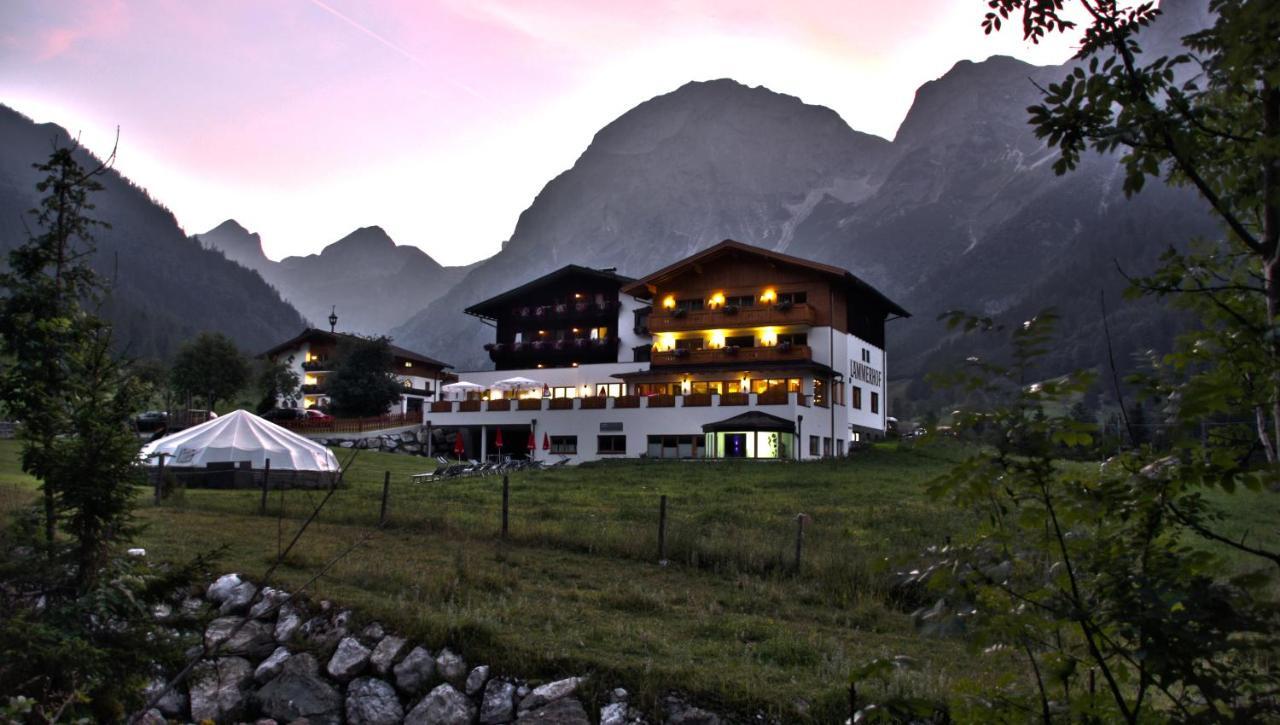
<point>730,317</point>
<point>529,354</point>
<point>693,400</point>
<point>320,365</point>
<point>732,355</point>
<point>570,311</point>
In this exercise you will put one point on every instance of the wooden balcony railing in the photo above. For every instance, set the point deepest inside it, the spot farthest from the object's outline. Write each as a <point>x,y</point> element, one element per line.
<point>442,406</point>
<point>530,404</point>
<point>662,401</point>
<point>560,404</point>
<point>697,400</point>
<point>600,402</point>
<point>469,406</point>
<point>773,353</point>
<point>627,401</point>
<point>735,398</point>
<point>593,403</point>
<point>671,321</point>
<point>353,425</point>
<point>501,404</point>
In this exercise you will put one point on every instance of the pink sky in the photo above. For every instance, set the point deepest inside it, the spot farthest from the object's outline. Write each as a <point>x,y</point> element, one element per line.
<point>439,121</point>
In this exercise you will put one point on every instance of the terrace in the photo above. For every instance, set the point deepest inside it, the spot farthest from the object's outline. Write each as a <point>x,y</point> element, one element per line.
<point>732,354</point>
<point>730,316</point>
<point>699,400</point>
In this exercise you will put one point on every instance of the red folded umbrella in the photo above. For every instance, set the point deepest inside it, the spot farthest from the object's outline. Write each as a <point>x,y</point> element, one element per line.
<point>532,443</point>
<point>458,446</point>
<point>497,440</point>
<point>546,442</point>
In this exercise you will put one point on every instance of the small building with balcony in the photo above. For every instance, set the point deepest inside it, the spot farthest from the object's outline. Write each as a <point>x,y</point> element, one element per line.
<point>312,354</point>
<point>736,351</point>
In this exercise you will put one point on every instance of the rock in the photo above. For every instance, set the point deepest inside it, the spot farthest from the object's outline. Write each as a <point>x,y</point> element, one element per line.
<point>266,607</point>
<point>498,705</point>
<point>476,680</point>
<point>411,448</point>
<point>342,620</point>
<point>372,443</point>
<point>615,713</point>
<point>346,444</point>
<point>237,600</point>
<point>385,653</point>
<point>371,701</point>
<point>322,634</point>
<point>173,704</point>
<point>218,688</point>
<point>348,660</point>
<point>565,711</point>
<point>287,625</point>
<point>151,717</point>
<point>162,613</point>
<point>451,667</point>
<point>549,692</point>
<point>409,437</point>
<point>192,605</point>
<point>390,444</point>
<point>618,695</point>
<point>299,692</point>
<point>222,588</point>
<point>682,713</point>
<point>372,633</point>
<point>271,666</point>
<point>442,706</point>
<point>253,639</point>
<point>522,691</point>
<point>415,671</point>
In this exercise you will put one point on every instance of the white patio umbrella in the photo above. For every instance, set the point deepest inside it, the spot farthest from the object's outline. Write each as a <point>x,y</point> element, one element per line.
<point>462,386</point>
<point>518,383</point>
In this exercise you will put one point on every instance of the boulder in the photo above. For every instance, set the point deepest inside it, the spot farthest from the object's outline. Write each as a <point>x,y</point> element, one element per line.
<point>346,444</point>
<point>268,604</point>
<point>221,588</point>
<point>451,667</point>
<point>499,703</point>
<point>476,680</point>
<point>615,713</point>
<point>162,613</point>
<point>386,652</point>
<point>151,717</point>
<point>371,701</point>
<point>173,704</point>
<point>409,437</point>
<point>415,671</point>
<point>238,599</point>
<point>271,666</point>
<point>372,633</point>
<point>287,624</point>
<point>321,634</point>
<point>299,692</point>
<point>390,444</point>
<point>549,692</point>
<point>218,688</point>
<point>373,443</point>
<point>565,711</point>
<point>349,660</point>
<point>254,639</point>
<point>442,706</point>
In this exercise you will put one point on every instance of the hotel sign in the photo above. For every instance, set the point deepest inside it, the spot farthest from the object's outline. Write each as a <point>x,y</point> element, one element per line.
<point>865,373</point>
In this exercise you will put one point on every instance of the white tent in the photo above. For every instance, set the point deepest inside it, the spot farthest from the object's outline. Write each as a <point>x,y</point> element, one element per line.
<point>241,436</point>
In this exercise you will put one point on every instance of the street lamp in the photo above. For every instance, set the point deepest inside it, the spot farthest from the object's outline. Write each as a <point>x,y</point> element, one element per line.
<point>333,318</point>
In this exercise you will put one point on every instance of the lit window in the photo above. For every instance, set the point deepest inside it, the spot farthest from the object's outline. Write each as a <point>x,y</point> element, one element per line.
<point>769,296</point>
<point>408,364</point>
<point>669,302</point>
<point>717,300</point>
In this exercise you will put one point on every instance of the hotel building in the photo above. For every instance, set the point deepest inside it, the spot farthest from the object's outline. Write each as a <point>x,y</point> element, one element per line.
<point>734,352</point>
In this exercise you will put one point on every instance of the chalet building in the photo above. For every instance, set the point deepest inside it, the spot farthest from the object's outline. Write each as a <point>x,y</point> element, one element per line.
<point>312,354</point>
<point>734,352</point>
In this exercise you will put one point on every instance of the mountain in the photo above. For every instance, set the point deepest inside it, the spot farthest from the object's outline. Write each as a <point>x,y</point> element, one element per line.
<point>373,283</point>
<point>961,210</point>
<point>163,287</point>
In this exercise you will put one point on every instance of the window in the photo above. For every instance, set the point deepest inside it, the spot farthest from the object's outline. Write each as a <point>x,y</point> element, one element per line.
<point>599,333</point>
<point>611,390</point>
<point>793,385</point>
<point>866,355</point>
<point>689,343</point>
<point>742,301</point>
<point>519,336</point>
<point>795,298</point>
<point>839,447</point>
<point>875,402</point>
<point>813,446</point>
<point>566,445</point>
<point>689,305</point>
<point>826,446</point>
<point>674,446</point>
<point>740,341</point>
<point>837,392</point>
<point>611,445</point>
<point>642,353</point>
<point>703,387</point>
<point>857,398</point>
<point>820,392</point>
<point>794,338</point>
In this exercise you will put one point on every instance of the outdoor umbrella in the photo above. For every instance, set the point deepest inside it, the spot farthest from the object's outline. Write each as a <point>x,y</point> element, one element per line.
<point>518,383</point>
<point>546,442</point>
<point>463,387</point>
<point>497,440</point>
<point>458,446</point>
<point>533,445</point>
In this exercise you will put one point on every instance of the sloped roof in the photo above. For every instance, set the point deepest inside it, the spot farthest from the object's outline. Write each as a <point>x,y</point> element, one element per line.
<point>317,335</point>
<point>643,288</point>
<point>488,308</point>
<point>751,421</point>
<point>241,436</point>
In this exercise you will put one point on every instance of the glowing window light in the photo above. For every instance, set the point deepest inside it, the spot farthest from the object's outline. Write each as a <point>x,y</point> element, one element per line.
<point>769,296</point>
<point>768,336</point>
<point>666,341</point>
<point>717,300</point>
<point>716,339</point>
<point>309,380</point>
<point>669,302</point>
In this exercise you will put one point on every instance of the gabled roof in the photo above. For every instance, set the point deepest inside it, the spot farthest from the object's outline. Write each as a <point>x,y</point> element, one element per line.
<point>312,334</point>
<point>644,288</point>
<point>751,421</point>
<point>488,308</point>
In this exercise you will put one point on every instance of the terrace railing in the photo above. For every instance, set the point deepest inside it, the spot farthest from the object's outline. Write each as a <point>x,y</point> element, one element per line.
<point>601,402</point>
<point>354,425</point>
<point>773,353</point>
<point>731,317</point>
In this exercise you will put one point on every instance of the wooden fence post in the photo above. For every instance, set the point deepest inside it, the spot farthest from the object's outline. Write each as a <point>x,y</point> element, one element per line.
<point>800,519</point>
<point>386,490</point>
<point>662,531</point>
<point>160,477</point>
<point>266,484</point>
<point>506,501</point>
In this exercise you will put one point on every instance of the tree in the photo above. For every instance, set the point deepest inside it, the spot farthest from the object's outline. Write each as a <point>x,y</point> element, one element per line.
<point>211,366</point>
<point>362,383</point>
<point>279,384</point>
<point>1208,117</point>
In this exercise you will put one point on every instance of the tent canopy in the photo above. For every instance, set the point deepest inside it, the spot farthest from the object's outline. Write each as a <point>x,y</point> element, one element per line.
<point>241,436</point>
<point>752,421</point>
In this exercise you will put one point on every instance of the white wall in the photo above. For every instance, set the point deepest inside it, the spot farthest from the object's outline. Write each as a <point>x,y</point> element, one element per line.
<point>627,336</point>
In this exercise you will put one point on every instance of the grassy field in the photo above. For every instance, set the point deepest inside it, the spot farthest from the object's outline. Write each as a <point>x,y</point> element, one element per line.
<point>577,588</point>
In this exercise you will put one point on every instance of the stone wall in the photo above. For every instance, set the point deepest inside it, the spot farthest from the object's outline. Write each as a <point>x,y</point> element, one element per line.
<point>411,442</point>
<point>278,661</point>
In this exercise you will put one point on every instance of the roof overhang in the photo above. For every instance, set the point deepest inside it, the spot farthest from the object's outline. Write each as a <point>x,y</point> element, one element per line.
<point>751,421</point>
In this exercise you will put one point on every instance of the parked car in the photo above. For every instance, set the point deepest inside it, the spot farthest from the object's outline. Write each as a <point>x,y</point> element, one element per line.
<point>278,415</point>
<point>151,420</point>
<point>318,415</point>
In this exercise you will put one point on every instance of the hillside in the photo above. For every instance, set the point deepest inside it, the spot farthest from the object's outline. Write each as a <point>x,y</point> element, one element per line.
<point>164,288</point>
<point>374,283</point>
